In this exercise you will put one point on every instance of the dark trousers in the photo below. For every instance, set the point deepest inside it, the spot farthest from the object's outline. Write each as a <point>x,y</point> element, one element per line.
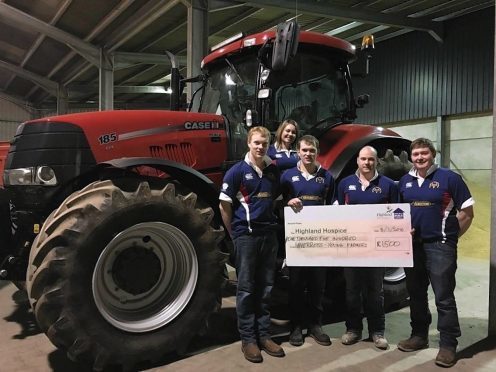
<point>306,308</point>
<point>254,258</point>
<point>434,263</point>
<point>364,287</point>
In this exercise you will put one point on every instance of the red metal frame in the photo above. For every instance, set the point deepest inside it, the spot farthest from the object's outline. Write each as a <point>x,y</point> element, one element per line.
<point>152,133</point>
<point>338,139</point>
<point>307,37</point>
<point>4,149</point>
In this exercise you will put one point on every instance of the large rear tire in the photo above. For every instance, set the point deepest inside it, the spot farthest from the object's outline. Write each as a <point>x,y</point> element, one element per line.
<point>123,278</point>
<point>395,292</point>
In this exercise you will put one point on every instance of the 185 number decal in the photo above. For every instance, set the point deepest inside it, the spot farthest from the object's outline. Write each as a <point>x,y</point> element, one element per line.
<point>107,138</point>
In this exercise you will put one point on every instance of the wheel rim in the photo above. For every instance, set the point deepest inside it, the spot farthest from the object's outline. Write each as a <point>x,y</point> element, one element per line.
<point>145,277</point>
<point>394,274</point>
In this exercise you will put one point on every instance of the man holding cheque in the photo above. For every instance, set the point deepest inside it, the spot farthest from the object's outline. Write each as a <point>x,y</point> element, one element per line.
<point>365,284</point>
<point>307,184</point>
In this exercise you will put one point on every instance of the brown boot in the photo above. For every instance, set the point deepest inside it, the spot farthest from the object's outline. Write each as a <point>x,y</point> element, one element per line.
<point>414,343</point>
<point>446,357</point>
<point>271,348</point>
<point>251,352</point>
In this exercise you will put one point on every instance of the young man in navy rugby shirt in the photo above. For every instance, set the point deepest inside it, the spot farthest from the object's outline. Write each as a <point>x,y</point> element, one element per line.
<point>366,186</point>
<point>246,205</point>
<point>304,185</point>
<point>442,211</point>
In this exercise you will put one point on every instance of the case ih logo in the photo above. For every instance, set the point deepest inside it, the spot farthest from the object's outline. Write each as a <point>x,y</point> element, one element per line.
<point>191,125</point>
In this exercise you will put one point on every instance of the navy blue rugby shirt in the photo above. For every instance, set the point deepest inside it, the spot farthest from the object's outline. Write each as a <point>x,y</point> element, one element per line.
<point>314,189</point>
<point>381,190</point>
<point>283,159</point>
<point>251,192</point>
<point>434,202</point>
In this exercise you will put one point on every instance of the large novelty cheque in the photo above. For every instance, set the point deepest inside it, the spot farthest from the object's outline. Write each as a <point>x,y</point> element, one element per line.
<point>365,235</point>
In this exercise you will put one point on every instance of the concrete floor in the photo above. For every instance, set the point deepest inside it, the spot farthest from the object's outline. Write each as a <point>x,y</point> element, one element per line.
<point>24,348</point>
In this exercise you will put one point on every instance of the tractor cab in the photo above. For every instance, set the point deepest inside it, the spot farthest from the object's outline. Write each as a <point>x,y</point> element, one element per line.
<point>247,83</point>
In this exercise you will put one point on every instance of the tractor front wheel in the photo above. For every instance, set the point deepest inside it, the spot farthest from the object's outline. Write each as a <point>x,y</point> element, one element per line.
<point>123,278</point>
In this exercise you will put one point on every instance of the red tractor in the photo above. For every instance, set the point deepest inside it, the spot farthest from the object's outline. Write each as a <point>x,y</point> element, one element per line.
<point>114,225</point>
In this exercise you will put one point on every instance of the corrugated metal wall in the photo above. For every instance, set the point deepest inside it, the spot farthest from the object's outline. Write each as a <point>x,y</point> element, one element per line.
<point>414,77</point>
<point>11,115</point>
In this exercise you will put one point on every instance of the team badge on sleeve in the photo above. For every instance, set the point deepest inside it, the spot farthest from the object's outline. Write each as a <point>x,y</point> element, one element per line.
<point>225,186</point>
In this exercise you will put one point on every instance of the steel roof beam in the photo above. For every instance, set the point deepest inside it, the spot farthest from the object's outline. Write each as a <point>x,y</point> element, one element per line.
<point>48,85</point>
<point>19,101</point>
<point>40,38</point>
<point>126,59</point>
<point>220,5</point>
<point>147,14</point>
<point>433,28</point>
<point>87,89</point>
<point>15,17</point>
<point>370,31</point>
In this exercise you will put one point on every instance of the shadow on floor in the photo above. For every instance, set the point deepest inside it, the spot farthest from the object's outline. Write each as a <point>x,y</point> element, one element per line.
<point>486,344</point>
<point>59,362</point>
<point>23,315</point>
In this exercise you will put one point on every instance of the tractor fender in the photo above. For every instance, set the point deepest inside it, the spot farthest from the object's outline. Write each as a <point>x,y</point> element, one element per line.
<point>189,177</point>
<point>378,141</point>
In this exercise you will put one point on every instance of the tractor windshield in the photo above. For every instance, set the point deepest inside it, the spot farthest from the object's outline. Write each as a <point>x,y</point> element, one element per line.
<point>313,91</point>
<point>230,88</point>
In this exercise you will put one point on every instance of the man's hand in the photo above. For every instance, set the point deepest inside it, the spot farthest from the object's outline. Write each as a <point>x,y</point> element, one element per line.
<point>226,214</point>
<point>295,204</point>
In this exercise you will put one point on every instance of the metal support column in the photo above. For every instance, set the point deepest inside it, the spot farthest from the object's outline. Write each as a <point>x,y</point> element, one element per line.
<point>106,85</point>
<point>62,100</point>
<point>443,141</point>
<point>197,41</point>
<point>492,252</point>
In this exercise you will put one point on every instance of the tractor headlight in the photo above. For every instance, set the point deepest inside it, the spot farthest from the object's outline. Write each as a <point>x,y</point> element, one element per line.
<point>43,175</point>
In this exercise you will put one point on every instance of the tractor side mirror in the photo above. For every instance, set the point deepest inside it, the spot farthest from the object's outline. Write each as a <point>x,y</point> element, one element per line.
<point>362,100</point>
<point>285,44</point>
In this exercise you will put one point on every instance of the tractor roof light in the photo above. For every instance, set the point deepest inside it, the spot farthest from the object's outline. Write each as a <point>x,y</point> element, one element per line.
<point>368,43</point>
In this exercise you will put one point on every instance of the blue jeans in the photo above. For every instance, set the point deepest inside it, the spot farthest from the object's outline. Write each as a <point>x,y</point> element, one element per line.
<point>254,257</point>
<point>306,308</point>
<point>364,286</point>
<point>434,263</point>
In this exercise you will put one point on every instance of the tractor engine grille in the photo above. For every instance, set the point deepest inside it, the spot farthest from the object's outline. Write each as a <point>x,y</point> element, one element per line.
<point>182,153</point>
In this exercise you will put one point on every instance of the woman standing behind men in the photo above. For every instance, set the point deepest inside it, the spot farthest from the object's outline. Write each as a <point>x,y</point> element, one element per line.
<point>365,284</point>
<point>282,152</point>
<point>304,185</point>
